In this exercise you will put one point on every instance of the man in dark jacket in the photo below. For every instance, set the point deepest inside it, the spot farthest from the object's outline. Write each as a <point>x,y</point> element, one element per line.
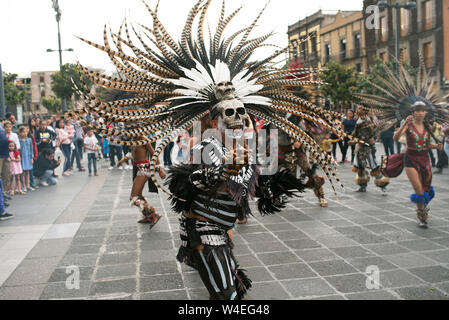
<point>44,166</point>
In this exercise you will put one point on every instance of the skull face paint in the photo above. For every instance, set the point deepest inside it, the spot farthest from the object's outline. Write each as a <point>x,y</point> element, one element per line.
<point>224,91</point>
<point>233,117</point>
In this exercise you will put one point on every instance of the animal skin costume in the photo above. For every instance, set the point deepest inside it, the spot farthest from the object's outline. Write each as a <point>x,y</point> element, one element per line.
<point>290,158</point>
<point>404,93</point>
<point>176,84</point>
<point>365,130</point>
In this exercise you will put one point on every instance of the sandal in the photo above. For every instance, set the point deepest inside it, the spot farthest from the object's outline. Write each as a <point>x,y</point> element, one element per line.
<point>323,203</point>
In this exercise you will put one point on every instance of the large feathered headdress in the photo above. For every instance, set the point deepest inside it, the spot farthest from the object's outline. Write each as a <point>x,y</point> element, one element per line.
<point>399,92</point>
<point>173,82</point>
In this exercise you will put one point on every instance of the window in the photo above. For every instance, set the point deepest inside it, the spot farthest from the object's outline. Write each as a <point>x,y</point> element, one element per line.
<point>427,15</point>
<point>313,44</point>
<point>403,21</point>
<point>383,29</point>
<point>342,49</point>
<point>41,79</point>
<point>357,45</point>
<point>327,52</point>
<point>43,94</point>
<point>428,59</point>
<point>358,67</point>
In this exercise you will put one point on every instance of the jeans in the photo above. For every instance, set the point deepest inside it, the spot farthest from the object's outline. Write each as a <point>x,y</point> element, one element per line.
<point>346,146</point>
<point>2,205</point>
<point>167,154</point>
<point>48,177</point>
<point>77,153</point>
<point>114,151</point>
<point>388,146</point>
<point>92,159</point>
<point>66,150</point>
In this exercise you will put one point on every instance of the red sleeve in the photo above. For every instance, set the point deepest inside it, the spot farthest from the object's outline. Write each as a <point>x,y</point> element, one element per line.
<point>16,154</point>
<point>34,147</point>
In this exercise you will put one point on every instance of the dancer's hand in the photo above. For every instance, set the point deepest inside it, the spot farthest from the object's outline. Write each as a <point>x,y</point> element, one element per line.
<point>162,174</point>
<point>409,119</point>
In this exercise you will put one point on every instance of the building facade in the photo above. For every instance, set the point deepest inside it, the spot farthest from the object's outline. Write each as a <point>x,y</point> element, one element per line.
<point>304,39</point>
<point>40,88</point>
<point>421,30</point>
<point>343,40</point>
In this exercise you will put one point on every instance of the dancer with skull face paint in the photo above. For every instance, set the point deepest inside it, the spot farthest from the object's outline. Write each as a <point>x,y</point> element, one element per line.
<point>187,81</point>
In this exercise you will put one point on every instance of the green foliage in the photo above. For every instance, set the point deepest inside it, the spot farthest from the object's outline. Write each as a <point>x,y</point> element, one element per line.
<point>364,81</point>
<point>53,105</point>
<point>62,84</point>
<point>14,94</point>
<point>340,83</point>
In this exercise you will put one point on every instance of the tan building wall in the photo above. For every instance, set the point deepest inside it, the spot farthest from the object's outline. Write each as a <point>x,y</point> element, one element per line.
<point>40,87</point>
<point>446,38</point>
<point>345,27</point>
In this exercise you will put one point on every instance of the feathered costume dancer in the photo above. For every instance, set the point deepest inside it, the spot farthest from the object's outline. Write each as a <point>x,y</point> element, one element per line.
<point>365,129</point>
<point>190,81</point>
<point>413,101</point>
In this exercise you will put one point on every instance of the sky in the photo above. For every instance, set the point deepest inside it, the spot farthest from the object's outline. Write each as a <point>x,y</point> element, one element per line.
<point>28,27</point>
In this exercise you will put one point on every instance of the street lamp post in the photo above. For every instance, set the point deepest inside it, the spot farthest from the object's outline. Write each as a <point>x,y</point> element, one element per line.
<point>409,6</point>
<point>58,19</point>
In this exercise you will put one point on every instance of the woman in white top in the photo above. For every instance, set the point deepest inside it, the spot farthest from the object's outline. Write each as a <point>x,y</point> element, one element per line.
<point>11,135</point>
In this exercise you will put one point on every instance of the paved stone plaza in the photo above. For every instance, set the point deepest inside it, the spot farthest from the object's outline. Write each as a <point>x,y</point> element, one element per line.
<point>306,252</point>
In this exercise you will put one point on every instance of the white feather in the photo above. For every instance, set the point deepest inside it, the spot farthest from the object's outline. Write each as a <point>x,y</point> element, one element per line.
<point>256,100</point>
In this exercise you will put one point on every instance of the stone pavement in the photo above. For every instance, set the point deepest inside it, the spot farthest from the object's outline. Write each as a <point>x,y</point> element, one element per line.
<point>306,252</point>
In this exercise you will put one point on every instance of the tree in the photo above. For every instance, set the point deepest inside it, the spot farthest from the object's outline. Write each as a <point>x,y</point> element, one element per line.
<point>52,104</point>
<point>14,94</point>
<point>340,83</point>
<point>62,84</point>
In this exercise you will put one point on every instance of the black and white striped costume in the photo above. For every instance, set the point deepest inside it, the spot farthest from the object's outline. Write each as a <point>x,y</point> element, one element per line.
<point>221,201</point>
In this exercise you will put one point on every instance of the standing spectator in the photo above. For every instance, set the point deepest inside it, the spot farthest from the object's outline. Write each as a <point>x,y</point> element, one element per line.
<point>37,122</point>
<point>64,141</point>
<point>32,125</point>
<point>105,148</point>
<point>386,137</point>
<point>31,131</point>
<point>3,214</point>
<point>348,126</point>
<point>442,157</point>
<point>167,154</point>
<point>27,156</point>
<point>44,137</point>
<point>91,145</point>
<point>11,135</point>
<point>115,150</point>
<point>78,142</point>
<point>16,168</point>
<point>446,139</point>
<point>5,164</point>
<point>12,118</point>
<point>44,167</point>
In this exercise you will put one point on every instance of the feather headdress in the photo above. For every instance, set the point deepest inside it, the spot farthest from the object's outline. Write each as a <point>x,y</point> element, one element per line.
<point>401,91</point>
<point>172,82</point>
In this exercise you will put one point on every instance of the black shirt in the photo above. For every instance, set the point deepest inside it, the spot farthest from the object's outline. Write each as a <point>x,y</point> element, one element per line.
<point>41,135</point>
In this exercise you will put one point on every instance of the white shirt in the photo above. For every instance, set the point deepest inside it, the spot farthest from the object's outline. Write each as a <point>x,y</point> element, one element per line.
<point>14,137</point>
<point>91,142</point>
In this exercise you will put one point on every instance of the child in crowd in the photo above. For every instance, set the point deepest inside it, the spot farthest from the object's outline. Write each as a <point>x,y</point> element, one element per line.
<point>327,143</point>
<point>16,168</point>
<point>91,145</point>
<point>27,157</point>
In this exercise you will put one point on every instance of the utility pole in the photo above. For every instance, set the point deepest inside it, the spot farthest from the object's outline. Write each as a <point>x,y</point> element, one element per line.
<point>2,95</point>
<point>55,6</point>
